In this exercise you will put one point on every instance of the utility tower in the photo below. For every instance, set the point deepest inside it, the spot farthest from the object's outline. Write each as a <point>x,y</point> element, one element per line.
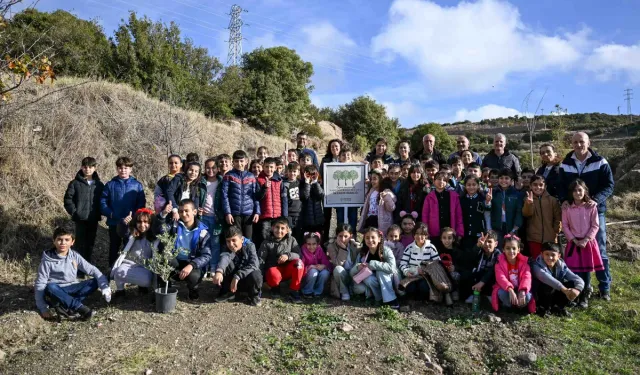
<point>235,36</point>
<point>628,95</point>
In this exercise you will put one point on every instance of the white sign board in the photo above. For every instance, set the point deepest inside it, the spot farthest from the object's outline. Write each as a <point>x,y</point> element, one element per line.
<point>344,184</point>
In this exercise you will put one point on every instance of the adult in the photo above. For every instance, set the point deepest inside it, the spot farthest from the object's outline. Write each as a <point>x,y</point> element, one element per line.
<point>404,153</point>
<point>380,151</point>
<point>550,168</point>
<point>500,158</point>
<point>301,145</point>
<point>463,145</point>
<point>428,149</point>
<point>331,156</point>
<point>585,164</point>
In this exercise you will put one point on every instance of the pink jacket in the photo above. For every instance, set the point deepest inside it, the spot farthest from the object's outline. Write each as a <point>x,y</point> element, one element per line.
<point>431,214</point>
<point>312,259</point>
<point>580,222</point>
<point>386,206</point>
<point>503,282</point>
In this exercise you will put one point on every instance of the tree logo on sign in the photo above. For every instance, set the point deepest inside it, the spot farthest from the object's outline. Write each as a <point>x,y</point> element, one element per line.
<point>351,175</point>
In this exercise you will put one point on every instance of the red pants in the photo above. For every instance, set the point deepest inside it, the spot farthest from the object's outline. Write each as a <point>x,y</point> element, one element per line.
<point>293,269</point>
<point>535,249</point>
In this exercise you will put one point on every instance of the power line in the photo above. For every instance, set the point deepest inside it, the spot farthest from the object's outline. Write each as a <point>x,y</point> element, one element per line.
<point>628,95</point>
<point>235,36</point>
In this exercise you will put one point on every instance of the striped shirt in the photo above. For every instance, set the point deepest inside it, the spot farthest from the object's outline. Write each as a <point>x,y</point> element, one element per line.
<point>414,255</point>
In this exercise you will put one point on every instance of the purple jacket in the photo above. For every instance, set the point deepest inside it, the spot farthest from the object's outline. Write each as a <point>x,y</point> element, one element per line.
<point>316,258</point>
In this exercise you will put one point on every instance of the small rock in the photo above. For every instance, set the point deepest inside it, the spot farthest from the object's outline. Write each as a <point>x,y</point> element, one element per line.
<point>3,355</point>
<point>423,356</point>
<point>290,318</point>
<point>112,318</point>
<point>494,319</point>
<point>434,368</point>
<point>346,327</point>
<point>527,358</point>
<point>98,325</point>
<point>148,371</point>
<point>405,308</point>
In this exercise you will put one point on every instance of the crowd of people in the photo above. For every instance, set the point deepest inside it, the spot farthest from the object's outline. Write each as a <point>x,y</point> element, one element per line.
<point>444,229</point>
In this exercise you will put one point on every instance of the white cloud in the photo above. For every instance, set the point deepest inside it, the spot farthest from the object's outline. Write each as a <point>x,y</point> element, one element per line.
<point>489,111</point>
<point>326,45</point>
<point>472,47</point>
<point>615,61</point>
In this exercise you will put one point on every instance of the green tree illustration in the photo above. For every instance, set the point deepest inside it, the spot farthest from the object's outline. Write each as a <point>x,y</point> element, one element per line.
<point>337,176</point>
<point>353,175</point>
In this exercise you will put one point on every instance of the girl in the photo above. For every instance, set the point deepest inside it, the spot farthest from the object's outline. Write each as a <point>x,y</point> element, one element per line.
<point>160,196</point>
<point>442,208</point>
<point>474,204</point>
<point>420,250</point>
<point>467,158</point>
<point>394,175</point>
<point>379,205</point>
<point>211,211</point>
<point>342,254</point>
<point>311,196</point>
<point>332,155</point>
<point>452,258</point>
<point>380,150</point>
<point>544,216</point>
<point>506,206</point>
<point>381,265</point>
<point>316,265</point>
<point>580,225</point>
<point>411,191</point>
<point>188,186</point>
<point>262,153</point>
<point>255,167</point>
<point>513,278</point>
<point>130,268</point>
<point>393,241</point>
<point>407,223</point>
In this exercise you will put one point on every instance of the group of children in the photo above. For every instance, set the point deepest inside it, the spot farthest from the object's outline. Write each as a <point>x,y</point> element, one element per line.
<point>440,232</point>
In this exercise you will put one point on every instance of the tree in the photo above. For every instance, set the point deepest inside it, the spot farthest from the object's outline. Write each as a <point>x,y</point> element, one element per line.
<point>530,123</point>
<point>352,176</point>
<point>444,142</point>
<point>337,176</point>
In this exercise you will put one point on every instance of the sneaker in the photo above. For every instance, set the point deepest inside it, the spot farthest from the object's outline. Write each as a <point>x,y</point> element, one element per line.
<point>226,297</point>
<point>583,304</point>
<point>307,296</point>
<point>86,313</point>
<point>605,296</point>
<point>255,301</point>
<point>295,297</point>
<point>345,296</point>
<point>393,304</point>
<point>64,313</point>
<point>469,299</point>
<point>194,294</point>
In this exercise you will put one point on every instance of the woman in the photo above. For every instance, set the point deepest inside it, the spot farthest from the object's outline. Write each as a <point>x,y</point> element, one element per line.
<point>404,152</point>
<point>380,151</point>
<point>331,156</point>
<point>550,168</point>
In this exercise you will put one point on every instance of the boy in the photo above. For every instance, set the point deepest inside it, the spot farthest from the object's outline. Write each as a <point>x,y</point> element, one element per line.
<point>524,182</point>
<point>312,195</point>
<point>292,155</point>
<point>483,276</point>
<point>304,160</point>
<point>279,167</point>
<point>280,258</point>
<point>556,284</point>
<point>224,164</point>
<point>345,154</point>
<point>273,199</point>
<point>486,171</point>
<point>457,172</point>
<point>238,269</point>
<point>377,163</point>
<point>239,202</point>
<point>494,175</point>
<point>262,153</point>
<point>56,279</point>
<point>431,167</point>
<point>294,204</point>
<point>506,206</point>
<point>192,244</point>
<point>121,196</point>
<point>82,202</point>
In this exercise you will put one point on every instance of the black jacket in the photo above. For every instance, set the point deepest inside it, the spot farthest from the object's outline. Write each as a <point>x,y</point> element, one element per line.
<point>82,200</point>
<point>552,180</point>
<point>245,261</point>
<point>505,161</point>
<point>437,156</point>
<point>311,196</point>
<point>292,188</point>
<point>386,158</point>
<point>405,197</point>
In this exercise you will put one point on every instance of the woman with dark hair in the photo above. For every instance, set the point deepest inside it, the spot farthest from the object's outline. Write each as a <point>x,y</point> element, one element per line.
<point>380,150</point>
<point>404,153</point>
<point>550,168</point>
<point>331,156</point>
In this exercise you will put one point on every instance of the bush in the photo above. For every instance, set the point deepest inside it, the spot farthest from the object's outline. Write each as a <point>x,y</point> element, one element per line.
<point>444,142</point>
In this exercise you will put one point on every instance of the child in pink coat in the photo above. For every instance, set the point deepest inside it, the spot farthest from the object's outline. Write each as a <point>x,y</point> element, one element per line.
<point>316,264</point>
<point>442,199</point>
<point>513,278</point>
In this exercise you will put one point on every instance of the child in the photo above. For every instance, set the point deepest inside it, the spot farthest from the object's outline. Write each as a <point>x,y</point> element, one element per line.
<point>305,159</point>
<point>342,254</point>
<point>379,205</point>
<point>377,163</point>
<point>467,158</point>
<point>412,193</point>
<point>192,241</point>
<point>82,202</point>
<point>452,258</point>
<point>224,164</point>
<point>345,154</point>
<point>483,276</point>
<point>189,185</point>
<point>544,216</point>
<point>506,205</point>
<point>211,211</point>
<point>130,268</point>
<point>381,265</point>
<point>160,196</point>
<point>239,203</point>
<point>352,212</point>
<point>457,172</point>
<point>431,167</point>
<point>474,204</point>
<point>393,241</point>
<point>311,195</point>
<point>442,208</point>
<point>486,176</point>
<point>121,196</point>
<point>56,279</point>
<point>580,225</point>
<point>317,266</point>
<point>238,269</point>
<point>419,251</point>
<point>494,178</point>
<point>524,181</point>
<point>556,284</point>
<point>405,170</point>
<point>255,167</point>
<point>513,278</point>
<point>294,204</point>
<point>262,153</point>
<point>192,157</point>
<point>394,176</point>
<point>292,155</point>
<point>279,167</point>
<point>407,223</point>
<point>273,200</point>
<point>280,259</point>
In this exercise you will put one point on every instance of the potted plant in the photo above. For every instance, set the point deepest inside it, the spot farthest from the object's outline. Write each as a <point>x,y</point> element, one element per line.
<point>160,264</point>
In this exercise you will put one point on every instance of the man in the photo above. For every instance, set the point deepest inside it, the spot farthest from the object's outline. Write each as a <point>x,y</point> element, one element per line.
<point>500,158</point>
<point>463,144</point>
<point>301,141</point>
<point>594,170</point>
<point>428,149</point>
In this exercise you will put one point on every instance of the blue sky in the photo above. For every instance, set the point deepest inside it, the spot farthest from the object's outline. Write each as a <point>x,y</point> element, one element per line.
<point>426,61</point>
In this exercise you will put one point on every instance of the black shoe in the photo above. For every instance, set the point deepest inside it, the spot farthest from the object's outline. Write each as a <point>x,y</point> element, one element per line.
<point>541,312</point>
<point>393,304</point>
<point>255,301</point>
<point>561,312</point>
<point>86,313</point>
<point>64,312</point>
<point>275,292</point>
<point>143,290</point>
<point>194,294</point>
<point>307,296</point>
<point>118,295</point>
<point>226,297</point>
<point>583,301</point>
<point>295,297</point>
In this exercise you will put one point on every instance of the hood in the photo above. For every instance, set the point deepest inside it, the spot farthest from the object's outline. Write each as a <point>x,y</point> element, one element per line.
<point>199,225</point>
<point>80,176</point>
<point>52,256</point>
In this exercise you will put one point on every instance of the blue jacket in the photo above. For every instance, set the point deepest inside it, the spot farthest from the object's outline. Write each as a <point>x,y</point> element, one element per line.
<point>596,174</point>
<point>513,207</point>
<point>120,197</point>
<point>240,194</point>
<point>561,274</point>
<point>199,249</point>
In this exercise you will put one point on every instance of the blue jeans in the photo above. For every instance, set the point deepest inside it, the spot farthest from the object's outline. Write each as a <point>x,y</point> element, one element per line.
<point>503,295</point>
<point>604,276</point>
<point>314,281</point>
<point>214,242</point>
<point>71,296</point>
<point>379,286</point>
<point>352,218</point>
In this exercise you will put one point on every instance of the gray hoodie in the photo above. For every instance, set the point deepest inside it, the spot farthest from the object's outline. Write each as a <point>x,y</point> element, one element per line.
<point>557,276</point>
<point>61,270</point>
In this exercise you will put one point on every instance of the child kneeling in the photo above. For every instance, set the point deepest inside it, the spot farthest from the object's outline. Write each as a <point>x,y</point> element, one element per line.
<point>513,278</point>
<point>238,269</point>
<point>342,253</point>
<point>57,279</point>
<point>316,265</point>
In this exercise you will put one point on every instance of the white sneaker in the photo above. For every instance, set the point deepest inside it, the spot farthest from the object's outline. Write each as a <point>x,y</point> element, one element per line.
<point>469,300</point>
<point>346,296</point>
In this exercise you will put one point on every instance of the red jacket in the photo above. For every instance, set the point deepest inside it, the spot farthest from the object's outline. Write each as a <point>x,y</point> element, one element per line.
<point>431,214</point>
<point>273,199</point>
<point>503,282</point>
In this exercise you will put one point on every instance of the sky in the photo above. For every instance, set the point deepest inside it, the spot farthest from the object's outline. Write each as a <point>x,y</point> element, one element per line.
<point>426,61</point>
